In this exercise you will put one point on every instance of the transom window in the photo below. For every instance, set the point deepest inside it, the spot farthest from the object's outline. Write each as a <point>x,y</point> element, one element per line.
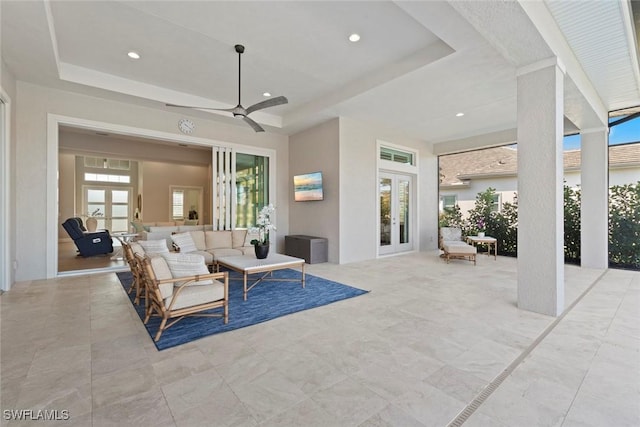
<point>397,156</point>
<point>103,177</point>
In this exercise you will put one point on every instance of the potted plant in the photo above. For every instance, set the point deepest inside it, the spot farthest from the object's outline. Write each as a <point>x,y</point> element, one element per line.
<point>264,225</point>
<point>481,226</point>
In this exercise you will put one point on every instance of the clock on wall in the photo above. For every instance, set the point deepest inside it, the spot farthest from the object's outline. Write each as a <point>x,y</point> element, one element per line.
<point>186,126</point>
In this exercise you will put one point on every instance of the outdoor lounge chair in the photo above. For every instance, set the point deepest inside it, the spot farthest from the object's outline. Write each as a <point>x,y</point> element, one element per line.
<point>451,243</point>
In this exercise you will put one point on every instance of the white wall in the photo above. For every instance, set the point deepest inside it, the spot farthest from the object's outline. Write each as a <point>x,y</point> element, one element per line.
<point>317,150</point>
<point>34,103</point>
<point>506,187</point>
<point>67,194</point>
<point>617,176</point>
<point>359,189</point>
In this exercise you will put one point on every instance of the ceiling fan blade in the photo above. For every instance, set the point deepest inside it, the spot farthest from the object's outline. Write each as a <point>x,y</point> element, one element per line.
<point>272,102</point>
<point>201,108</point>
<point>253,124</point>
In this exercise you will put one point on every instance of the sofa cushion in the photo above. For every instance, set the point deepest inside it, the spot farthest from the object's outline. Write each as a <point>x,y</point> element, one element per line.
<point>208,257</point>
<point>184,242</point>
<point>184,265</point>
<point>237,238</point>
<point>162,272</point>
<point>217,239</point>
<point>220,252</point>
<point>198,239</point>
<point>154,246</point>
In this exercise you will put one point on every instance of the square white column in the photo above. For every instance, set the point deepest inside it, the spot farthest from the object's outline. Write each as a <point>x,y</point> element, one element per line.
<point>594,211</point>
<point>540,189</point>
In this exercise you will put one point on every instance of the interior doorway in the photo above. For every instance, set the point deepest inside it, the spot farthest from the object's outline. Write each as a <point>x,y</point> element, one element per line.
<point>396,213</point>
<point>186,203</point>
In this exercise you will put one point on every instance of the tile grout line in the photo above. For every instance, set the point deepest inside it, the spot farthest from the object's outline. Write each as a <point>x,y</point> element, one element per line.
<point>594,356</point>
<point>481,397</point>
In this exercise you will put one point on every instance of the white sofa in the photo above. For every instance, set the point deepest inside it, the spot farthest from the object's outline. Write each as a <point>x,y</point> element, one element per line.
<point>203,240</point>
<point>164,231</point>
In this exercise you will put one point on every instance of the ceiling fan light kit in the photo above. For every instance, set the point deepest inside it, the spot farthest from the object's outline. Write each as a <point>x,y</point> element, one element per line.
<point>239,111</point>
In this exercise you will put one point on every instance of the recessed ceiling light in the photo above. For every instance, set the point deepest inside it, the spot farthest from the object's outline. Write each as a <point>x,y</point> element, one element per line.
<point>133,55</point>
<point>354,37</point>
<point>459,114</point>
<point>266,94</point>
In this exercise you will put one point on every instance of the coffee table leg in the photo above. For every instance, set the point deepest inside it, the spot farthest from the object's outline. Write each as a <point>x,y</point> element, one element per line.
<point>303,275</point>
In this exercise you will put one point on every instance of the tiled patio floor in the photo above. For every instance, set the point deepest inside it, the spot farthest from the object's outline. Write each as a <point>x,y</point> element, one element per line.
<point>413,352</point>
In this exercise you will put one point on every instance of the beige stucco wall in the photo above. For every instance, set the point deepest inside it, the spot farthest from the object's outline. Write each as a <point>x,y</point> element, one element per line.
<point>35,103</point>
<point>317,150</point>
<point>158,177</point>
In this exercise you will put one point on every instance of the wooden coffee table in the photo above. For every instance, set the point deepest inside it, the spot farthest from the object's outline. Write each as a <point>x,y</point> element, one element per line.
<point>249,264</point>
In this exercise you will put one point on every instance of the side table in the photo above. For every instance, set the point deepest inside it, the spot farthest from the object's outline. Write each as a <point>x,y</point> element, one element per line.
<point>124,238</point>
<point>485,240</point>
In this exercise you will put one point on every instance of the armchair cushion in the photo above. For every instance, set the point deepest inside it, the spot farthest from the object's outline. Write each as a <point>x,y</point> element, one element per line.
<point>136,248</point>
<point>162,272</point>
<point>195,295</point>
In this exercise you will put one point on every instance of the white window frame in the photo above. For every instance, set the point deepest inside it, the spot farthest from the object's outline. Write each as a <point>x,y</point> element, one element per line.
<point>7,270</point>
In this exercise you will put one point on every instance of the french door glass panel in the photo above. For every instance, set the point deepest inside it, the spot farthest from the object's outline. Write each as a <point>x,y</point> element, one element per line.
<point>110,206</point>
<point>396,213</point>
<point>252,188</point>
<point>385,211</point>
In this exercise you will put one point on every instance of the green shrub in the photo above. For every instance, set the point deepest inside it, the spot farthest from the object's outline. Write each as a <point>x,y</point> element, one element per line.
<point>572,225</point>
<point>624,226</point>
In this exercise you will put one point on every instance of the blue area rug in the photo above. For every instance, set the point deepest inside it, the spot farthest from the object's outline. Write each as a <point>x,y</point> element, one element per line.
<point>268,300</point>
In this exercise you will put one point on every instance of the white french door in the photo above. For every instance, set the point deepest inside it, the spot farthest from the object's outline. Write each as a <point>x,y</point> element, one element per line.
<point>396,213</point>
<point>111,206</point>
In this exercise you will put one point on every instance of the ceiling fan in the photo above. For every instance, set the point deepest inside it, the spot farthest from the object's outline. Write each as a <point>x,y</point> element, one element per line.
<point>239,111</point>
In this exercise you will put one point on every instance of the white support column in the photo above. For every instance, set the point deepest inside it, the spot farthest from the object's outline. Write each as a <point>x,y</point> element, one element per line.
<point>540,188</point>
<point>594,211</point>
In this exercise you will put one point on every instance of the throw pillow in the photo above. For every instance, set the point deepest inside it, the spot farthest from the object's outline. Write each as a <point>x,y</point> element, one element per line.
<point>154,246</point>
<point>185,242</point>
<point>186,265</point>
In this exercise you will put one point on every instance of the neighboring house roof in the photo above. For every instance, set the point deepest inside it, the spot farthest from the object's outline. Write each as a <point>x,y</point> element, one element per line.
<point>456,170</point>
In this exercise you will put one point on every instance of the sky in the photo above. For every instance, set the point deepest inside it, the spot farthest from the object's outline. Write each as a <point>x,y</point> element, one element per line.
<point>619,134</point>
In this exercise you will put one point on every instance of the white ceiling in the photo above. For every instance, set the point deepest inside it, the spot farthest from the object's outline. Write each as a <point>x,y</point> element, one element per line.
<point>417,65</point>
